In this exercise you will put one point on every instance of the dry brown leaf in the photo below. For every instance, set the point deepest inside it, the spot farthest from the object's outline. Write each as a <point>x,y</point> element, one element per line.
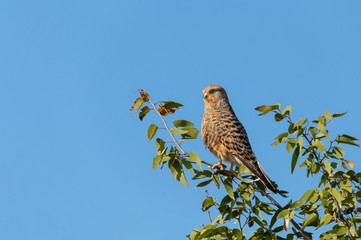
<point>144,95</point>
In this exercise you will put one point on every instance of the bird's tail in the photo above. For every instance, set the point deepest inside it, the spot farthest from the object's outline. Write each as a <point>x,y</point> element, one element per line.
<point>257,170</point>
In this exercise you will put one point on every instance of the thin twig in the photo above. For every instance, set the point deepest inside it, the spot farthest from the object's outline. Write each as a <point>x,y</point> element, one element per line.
<point>247,220</point>
<point>239,222</point>
<point>209,215</point>
<point>166,126</point>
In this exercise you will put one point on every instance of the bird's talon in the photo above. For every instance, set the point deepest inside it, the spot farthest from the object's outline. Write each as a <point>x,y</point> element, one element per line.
<point>218,166</point>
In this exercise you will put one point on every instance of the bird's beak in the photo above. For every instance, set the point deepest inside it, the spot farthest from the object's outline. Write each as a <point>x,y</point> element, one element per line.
<point>205,95</point>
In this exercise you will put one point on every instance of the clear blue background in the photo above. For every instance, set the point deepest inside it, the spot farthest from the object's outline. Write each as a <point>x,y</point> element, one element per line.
<point>75,165</point>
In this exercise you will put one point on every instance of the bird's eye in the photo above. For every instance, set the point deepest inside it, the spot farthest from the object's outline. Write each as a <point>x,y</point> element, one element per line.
<point>212,91</point>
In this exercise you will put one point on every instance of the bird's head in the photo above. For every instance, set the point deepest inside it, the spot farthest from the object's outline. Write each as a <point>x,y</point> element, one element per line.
<point>214,94</point>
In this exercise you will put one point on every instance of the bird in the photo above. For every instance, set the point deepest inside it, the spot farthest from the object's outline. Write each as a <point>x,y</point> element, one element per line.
<point>224,135</point>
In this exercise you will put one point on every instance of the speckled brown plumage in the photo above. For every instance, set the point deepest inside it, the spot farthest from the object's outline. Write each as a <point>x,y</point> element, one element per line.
<point>225,136</point>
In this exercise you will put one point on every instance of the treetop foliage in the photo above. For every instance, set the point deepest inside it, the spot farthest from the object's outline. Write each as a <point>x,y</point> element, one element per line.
<point>332,208</point>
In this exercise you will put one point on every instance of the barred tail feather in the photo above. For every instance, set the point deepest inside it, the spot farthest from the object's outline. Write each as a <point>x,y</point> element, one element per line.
<point>257,170</point>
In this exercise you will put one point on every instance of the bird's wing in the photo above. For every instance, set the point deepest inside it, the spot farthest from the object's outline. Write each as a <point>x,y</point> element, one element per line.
<point>233,137</point>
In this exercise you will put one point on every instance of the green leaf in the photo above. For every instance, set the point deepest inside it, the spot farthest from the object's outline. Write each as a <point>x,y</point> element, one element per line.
<point>303,164</point>
<point>338,114</point>
<point>334,165</point>
<point>188,164</point>
<point>321,119</point>
<point>287,110</point>
<point>290,146</point>
<point>295,156</point>
<point>177,171</point>
<point>193,156</point>
<point>207,231</point>
<point>296,204</point>
<point>283,213</point>
<point>339,230</point>
<point>319,144</point>
<point>194,235</point>
<point>182,123</point>
<point>309,219</point>
<point>315,168</point>
<point>276,106</point>
<point>327,166</point>
<point>323,130</point>
<point>278,141</point>
<point>306,195</point>
<point>190,132</point>
<point>325,220</point>
<point>328,115</point>
<point>178,131</point>
<point>291,128</point>
<point>216,219</point>
<point>328,236</point>
<point>264,109</point>
<point>205,183</point>
<point>225,201</point>
<point>350,163</point>
<point>278,117</point>
<point>152,130</point>
<point>300,131</point>
<point>338,151</point>
<point>257,212</point>
<point>313,131</point>
<point>216,180</point>
<point>165,159</point>
<point>336,193</point>
<point>160,144</point>
<point>237,233</point>
<point>222,229</point>
<point>300,143</point>
<point>156,161</point>
<point>346,186</point>
<point>202,174</point>
<point>347,140</point>
<point>171,105</point>
<point>228,186</point>
<point>144,111</point>
<point>350,137</point>
<point>138,102</point>
<point>266,208</point>
<point>313,197</point>
<point>358,196</point>
<point>244,195</point>
<point>207,203</point>
<point>274,218</point>
<point>282,135</point>
<point>259,222</point>
<point>301,122</point>
<point>280,138</point>
<point>244,169</point>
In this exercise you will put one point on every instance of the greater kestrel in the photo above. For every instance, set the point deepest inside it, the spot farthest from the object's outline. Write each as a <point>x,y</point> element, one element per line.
<point>225,136</point>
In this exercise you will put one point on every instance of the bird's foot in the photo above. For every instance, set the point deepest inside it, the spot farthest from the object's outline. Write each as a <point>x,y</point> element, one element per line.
<point>218,166</point>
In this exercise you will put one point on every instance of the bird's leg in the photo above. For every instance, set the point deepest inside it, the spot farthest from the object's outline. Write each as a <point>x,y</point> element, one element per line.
<point>231,169</point>
<point>218,165</point>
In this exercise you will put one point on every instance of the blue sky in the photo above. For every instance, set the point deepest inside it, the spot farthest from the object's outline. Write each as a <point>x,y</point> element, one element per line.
<point>75,165</point>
